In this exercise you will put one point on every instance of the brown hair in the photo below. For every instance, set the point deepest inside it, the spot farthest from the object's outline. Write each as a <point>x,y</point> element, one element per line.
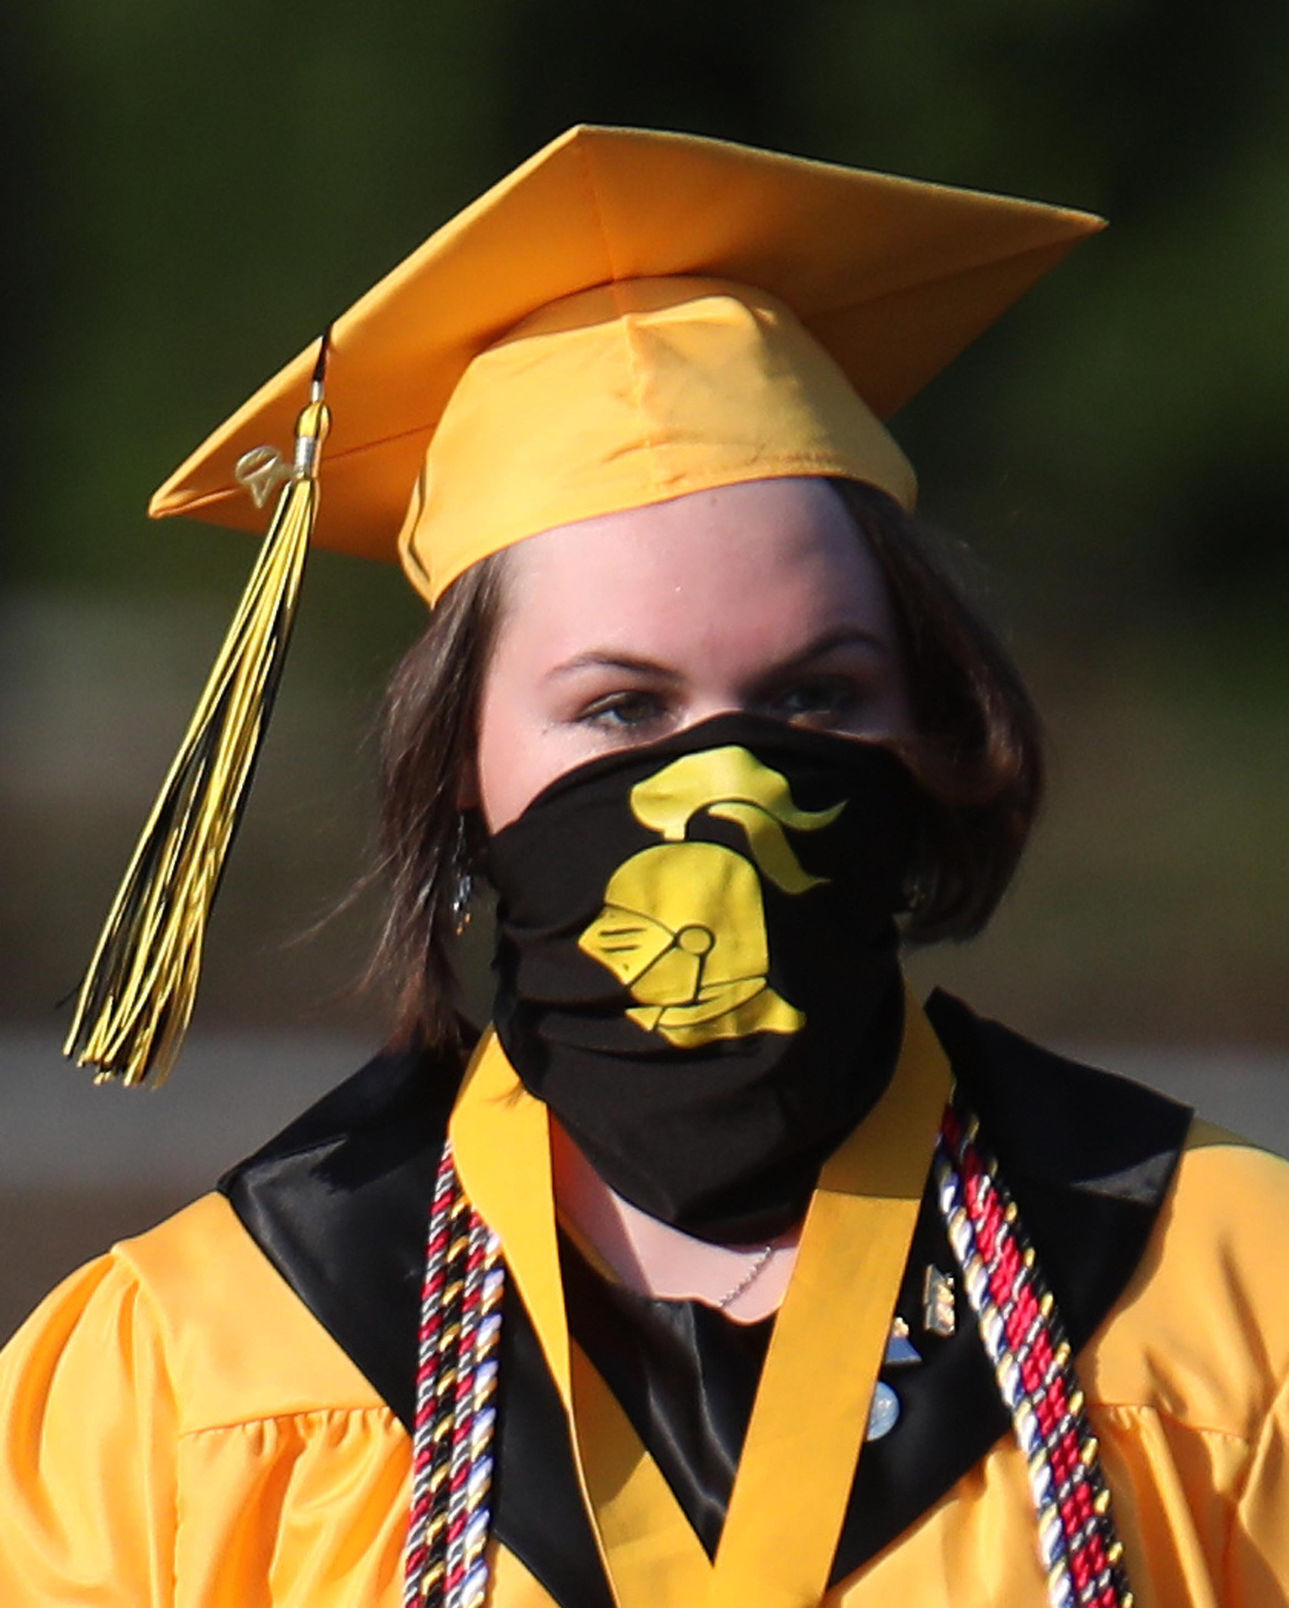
<point>427,741</point>
<point>979,746</point>
<point>978,754</point>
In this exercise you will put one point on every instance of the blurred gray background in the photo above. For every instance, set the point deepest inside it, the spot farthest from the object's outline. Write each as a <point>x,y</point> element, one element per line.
<point>202,187</point>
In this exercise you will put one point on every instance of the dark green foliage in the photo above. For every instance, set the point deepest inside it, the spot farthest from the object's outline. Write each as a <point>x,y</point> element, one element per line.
<point>202,185</point>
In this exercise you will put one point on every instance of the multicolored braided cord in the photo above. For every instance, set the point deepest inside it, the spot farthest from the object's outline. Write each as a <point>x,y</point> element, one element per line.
<point>456,1383</point>
<point>1025,1340</point>
<point>1019,1324</point>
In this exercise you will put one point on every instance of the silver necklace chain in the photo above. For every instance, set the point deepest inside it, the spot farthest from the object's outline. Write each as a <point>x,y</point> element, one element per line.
<point>759,1265</point>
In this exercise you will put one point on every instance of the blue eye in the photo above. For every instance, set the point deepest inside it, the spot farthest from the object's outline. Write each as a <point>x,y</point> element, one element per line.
<point>826,698</point>
<point>624,711</point>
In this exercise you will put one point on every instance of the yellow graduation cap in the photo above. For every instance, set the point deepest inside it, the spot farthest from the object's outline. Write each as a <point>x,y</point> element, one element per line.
<point>627,317</point>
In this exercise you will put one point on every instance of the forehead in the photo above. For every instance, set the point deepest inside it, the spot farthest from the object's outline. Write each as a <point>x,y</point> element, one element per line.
<point>767,561</point>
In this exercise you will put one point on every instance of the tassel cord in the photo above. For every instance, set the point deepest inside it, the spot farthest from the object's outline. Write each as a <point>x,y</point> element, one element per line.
<point>230,698</point>
<point>136,1001</point>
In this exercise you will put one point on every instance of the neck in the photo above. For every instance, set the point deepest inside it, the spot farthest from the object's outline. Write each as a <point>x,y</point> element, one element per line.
<point>653,1258</point>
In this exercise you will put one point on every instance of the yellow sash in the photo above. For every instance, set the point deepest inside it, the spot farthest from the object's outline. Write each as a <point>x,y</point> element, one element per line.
<point>811,1409</point>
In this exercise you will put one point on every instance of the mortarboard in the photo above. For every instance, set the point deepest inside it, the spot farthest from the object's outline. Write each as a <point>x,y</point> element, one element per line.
<point>627,317</point>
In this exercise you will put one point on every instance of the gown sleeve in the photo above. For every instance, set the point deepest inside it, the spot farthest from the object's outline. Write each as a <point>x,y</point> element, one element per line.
<point>1257,1551</point>
<point>87,1459</point>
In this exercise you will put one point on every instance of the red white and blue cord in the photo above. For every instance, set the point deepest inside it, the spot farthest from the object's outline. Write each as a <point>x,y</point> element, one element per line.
<point>1024,1338</point>
<point>456,1385</point>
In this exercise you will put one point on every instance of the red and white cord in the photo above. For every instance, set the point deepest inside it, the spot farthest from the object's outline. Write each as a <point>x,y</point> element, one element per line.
<point>1024,1338</point>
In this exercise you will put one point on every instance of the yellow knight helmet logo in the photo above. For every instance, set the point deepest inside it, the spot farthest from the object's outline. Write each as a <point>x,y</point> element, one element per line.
<point>683,924</point>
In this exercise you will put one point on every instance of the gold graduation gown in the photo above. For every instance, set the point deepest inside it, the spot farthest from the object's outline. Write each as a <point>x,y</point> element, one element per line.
<point>213,1414</point>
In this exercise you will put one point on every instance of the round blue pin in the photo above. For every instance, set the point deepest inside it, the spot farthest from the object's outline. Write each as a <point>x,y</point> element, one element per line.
<point>884,1414</point>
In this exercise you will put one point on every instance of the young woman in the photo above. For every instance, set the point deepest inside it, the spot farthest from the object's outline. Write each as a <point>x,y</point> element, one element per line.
<point>717,1270</point>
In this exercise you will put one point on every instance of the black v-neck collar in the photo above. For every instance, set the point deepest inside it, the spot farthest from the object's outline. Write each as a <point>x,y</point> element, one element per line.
<point>338,1203</point>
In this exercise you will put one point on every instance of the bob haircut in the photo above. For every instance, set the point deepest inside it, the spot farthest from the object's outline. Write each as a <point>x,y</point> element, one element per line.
<point>977,753</point>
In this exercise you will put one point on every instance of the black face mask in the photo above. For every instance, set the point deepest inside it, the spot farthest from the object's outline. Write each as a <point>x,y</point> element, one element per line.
<point>697,962</point>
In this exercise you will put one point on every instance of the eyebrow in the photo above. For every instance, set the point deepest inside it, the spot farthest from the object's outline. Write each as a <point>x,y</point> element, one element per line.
<point>842,636</point>
<point>839,636</point>
<point>610,659</point>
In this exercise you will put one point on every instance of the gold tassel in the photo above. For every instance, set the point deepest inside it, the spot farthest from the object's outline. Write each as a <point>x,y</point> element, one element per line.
<point>136,1000</point>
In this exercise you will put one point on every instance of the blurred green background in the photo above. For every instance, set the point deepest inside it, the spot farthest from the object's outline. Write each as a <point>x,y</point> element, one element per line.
<point>203,186</point>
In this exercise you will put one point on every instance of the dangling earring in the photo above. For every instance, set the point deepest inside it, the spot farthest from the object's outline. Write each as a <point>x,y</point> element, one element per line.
<point>463,881</point>
<point>915,893</point>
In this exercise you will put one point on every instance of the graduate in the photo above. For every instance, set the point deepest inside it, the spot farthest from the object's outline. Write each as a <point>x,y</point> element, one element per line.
<point>718,1270</point>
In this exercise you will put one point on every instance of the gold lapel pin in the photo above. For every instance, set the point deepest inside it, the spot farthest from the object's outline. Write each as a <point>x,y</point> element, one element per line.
<point>938,1305</point>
